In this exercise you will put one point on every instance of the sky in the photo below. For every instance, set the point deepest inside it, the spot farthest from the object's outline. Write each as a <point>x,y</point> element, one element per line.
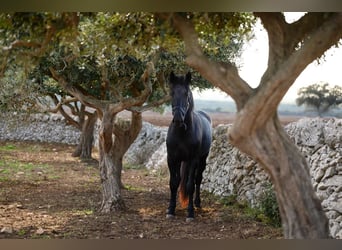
<point>254,61</point>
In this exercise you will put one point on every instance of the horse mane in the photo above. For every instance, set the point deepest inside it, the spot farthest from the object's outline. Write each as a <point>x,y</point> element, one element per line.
<point>191,101</point>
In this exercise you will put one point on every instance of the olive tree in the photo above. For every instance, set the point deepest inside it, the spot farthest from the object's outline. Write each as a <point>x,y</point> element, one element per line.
<point>257,130</point>
<point>111,62</point>
<point>320,97</point>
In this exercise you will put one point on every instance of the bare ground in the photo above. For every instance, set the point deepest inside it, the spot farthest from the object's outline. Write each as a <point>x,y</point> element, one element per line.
<point>46,193</point>
<point>53,195</point>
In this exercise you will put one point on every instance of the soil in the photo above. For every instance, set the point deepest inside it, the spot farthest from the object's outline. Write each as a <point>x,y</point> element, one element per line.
<point>46,193</point>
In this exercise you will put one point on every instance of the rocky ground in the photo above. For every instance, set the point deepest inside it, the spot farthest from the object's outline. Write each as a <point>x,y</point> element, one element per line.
<point>45,193</point>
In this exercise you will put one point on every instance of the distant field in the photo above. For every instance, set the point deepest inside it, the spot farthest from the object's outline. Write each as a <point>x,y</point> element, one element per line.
<point>164,120</point>
<point>229,106</point>
<point>223,112</point>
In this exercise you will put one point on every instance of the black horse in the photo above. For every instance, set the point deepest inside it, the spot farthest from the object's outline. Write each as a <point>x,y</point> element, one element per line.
<point>188,143</point>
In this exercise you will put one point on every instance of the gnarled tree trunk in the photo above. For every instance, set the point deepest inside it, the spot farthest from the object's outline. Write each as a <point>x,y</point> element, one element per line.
<point>112,150</point>
<point>301,211</point>
<point>257,130</point>
<point>85,146</point>
<point>109,172</point>
<point>125,132</point>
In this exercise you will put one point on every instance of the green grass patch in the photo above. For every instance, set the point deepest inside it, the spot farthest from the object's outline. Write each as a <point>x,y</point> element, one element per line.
<point>85,212</point>
<point>132,188</point>
<point>11,169</point>
<point>266,212</point>
<point>8,147</point>
<point>131,166</point>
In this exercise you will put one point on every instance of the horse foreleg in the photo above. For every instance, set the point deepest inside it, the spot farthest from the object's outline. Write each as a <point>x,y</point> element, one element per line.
<point>191,188</point>
<point>174,183</point>
<point>197,191</point>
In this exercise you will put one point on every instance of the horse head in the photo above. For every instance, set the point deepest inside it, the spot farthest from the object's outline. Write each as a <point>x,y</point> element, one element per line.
<point>181,98</point>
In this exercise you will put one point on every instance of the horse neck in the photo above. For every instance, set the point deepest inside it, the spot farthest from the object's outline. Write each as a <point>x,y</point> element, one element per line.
<point>189,116</point>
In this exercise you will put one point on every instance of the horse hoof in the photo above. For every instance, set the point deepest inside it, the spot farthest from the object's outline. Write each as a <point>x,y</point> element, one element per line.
<point>170,216</point>
<point>189,219</point>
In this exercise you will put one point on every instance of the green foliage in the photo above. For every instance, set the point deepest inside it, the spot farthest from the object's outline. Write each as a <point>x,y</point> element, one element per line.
<point>268,205</point>
<point>229,200</point>
<point>25,37</point>
<point>223,34</point>
<point>320,97</point>
<point>105,53</point>
<point>266,211</point>
<point>16,92</point>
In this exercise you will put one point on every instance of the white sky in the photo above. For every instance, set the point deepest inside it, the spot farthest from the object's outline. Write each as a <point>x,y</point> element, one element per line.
<point>254,62</point>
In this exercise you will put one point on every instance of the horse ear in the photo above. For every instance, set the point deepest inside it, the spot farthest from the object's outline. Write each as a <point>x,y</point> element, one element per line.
<point>188,77</point>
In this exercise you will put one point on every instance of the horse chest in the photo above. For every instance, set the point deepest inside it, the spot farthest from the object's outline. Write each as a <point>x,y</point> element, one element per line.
<point>181,147</point>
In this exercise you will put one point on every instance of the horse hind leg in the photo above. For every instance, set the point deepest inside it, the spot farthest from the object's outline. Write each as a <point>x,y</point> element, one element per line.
<point>191,211</point>
<point>190,189</point>
<point>198,181</point>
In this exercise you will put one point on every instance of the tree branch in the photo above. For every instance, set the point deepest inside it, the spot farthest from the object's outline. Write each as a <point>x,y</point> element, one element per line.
<point>59,108</point>
<point>280,42</point>
<point>284,38</point>
<point>125,103</point>
<point>160,101</point>
<point>86,100</point>
<point>151,105</point>
<point>264,103</point>
<point>223,75</point>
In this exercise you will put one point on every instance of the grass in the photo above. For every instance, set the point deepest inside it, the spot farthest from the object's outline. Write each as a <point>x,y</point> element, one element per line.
<point>13,169</point>
<point>132,166</point>
<point>131,188</point>
<point>12,165</point>
<point>7,147</point>
<point>84,212</point>
<point>266,212</point>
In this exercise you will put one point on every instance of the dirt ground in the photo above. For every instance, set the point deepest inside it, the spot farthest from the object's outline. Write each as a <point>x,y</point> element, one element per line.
<point>46,193</point>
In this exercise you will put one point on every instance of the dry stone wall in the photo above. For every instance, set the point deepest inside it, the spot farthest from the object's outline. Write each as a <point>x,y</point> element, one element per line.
<point>231,172</point>
<point>149,140</point>
<point>320,140</point>
<point>37,127</point>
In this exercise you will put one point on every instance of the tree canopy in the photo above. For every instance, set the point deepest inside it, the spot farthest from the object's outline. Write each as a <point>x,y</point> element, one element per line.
<point>111,62</point>
<point>91,49</point>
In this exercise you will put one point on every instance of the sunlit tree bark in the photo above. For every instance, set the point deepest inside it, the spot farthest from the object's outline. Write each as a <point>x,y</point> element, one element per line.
<point>257,130</point>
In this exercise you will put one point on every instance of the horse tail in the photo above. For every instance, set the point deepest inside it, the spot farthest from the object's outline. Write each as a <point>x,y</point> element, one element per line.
<point>183,194</point>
